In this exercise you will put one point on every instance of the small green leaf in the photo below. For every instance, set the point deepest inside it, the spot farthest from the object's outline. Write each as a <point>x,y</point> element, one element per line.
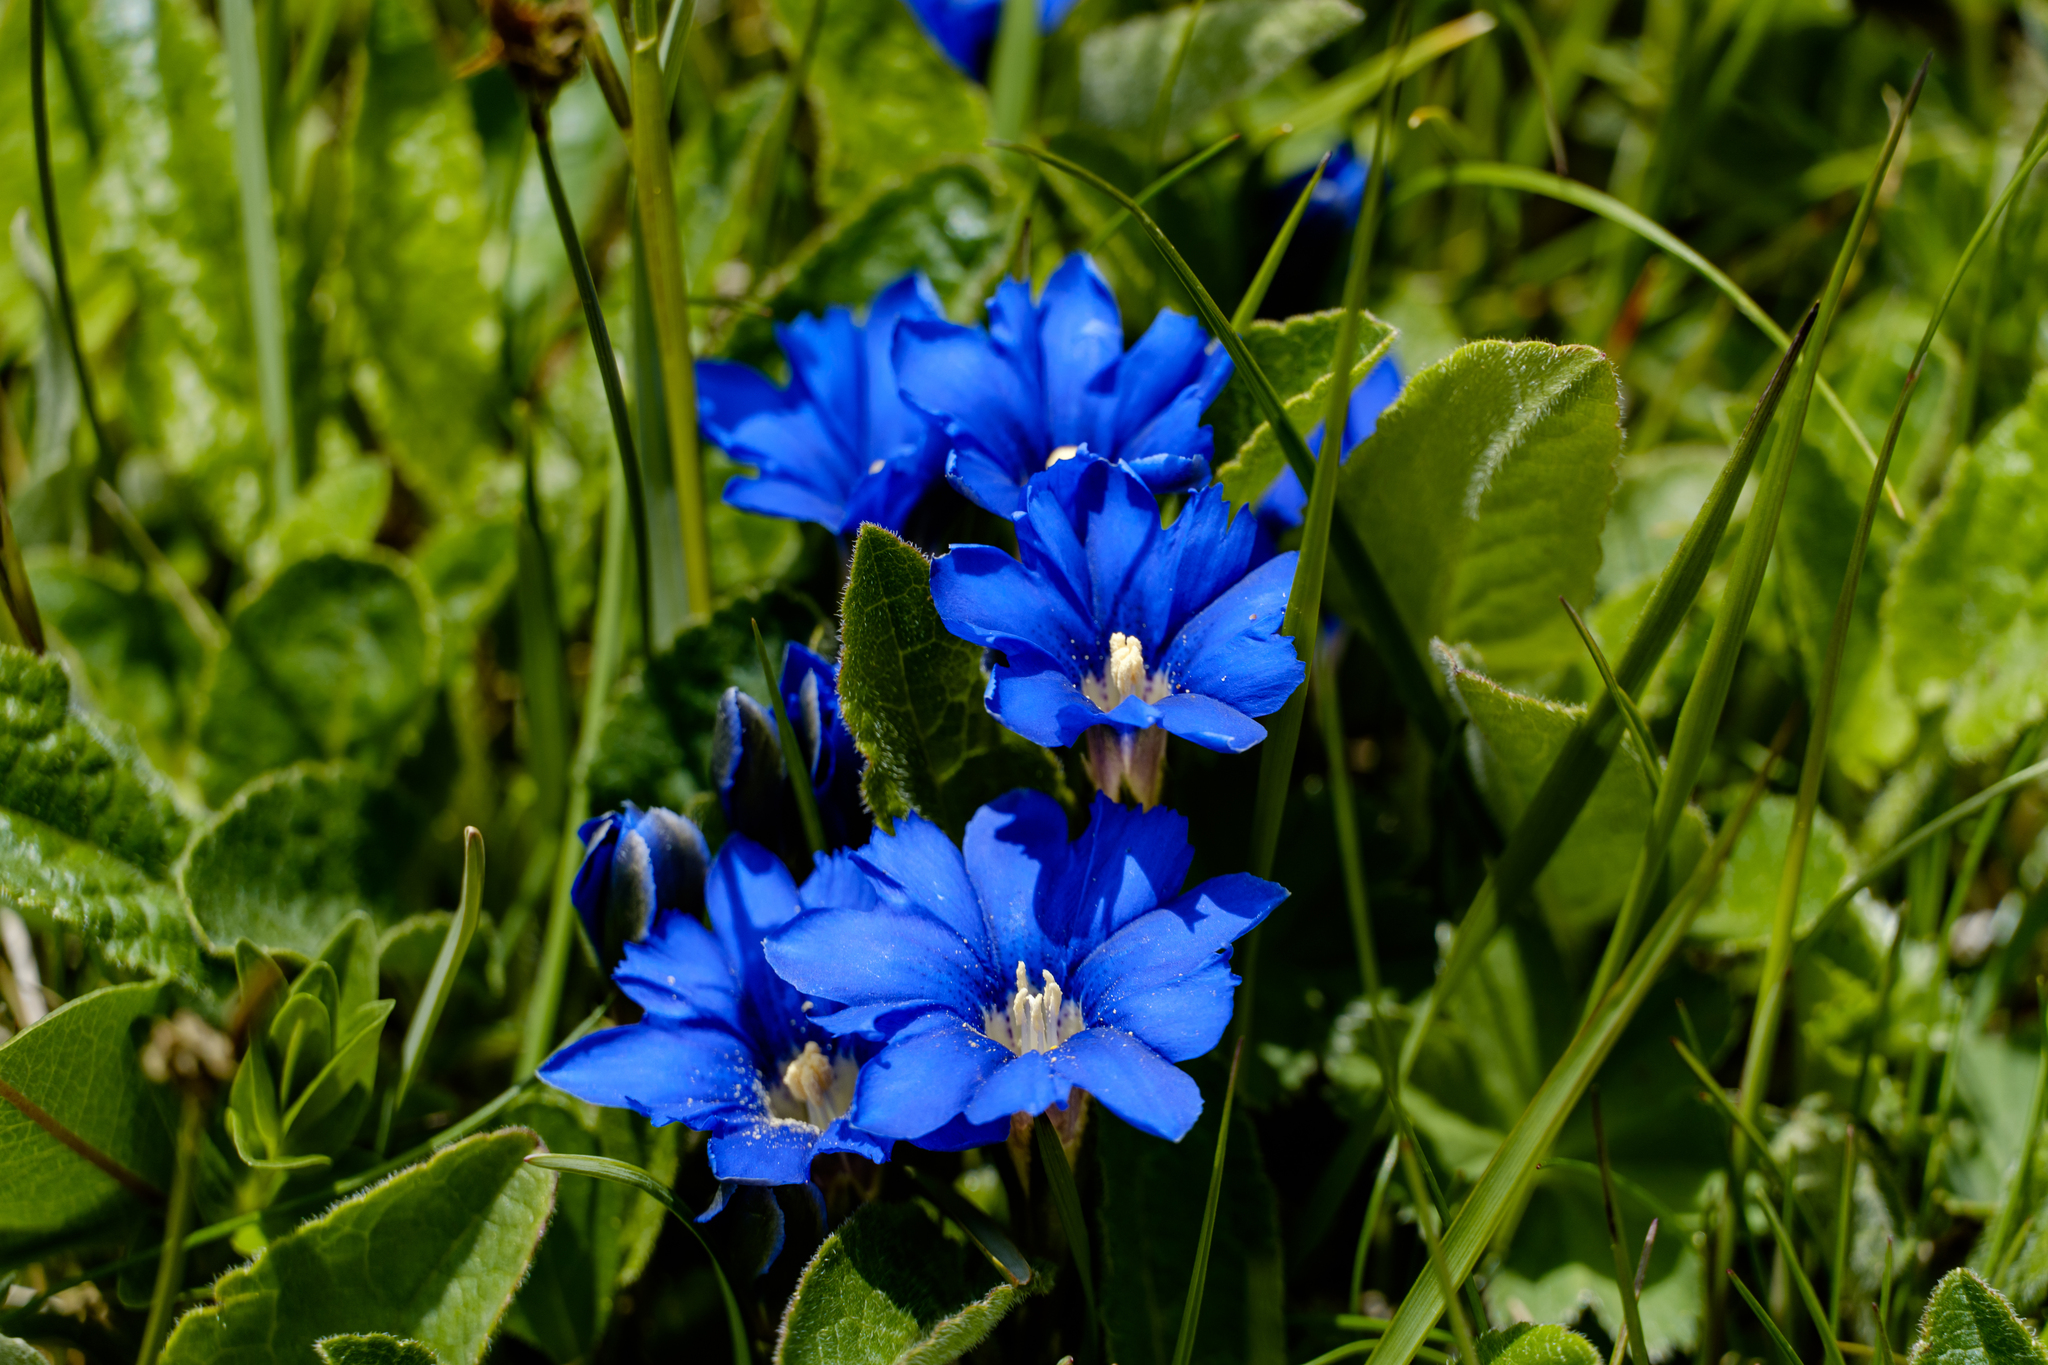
<point>340,509</point>
<point>1738,915</point>
<point>1238,46</point>
<point>433,1255</point>
<point>87,832</point>
<point>1295,356</point>
<point>333,658</point>
<point>1483,493</point>
<point>888,1288</point>
<point>373,1349</point>
<point>1967,1322</point>
<point>1535,1343</point>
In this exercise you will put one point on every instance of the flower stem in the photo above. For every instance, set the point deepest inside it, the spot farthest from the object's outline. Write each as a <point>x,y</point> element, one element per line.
<point>170,1266</point>
<point>1059,1177</point>
<point>1013,70</point>
<point>1191,1309</point>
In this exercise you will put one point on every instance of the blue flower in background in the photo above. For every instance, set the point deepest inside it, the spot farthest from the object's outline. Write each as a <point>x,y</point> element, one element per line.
<point>1339,195</point>
<point>1049,379</point>
<point>635,864</point>
<point>725,1046</point>
<point>1003,980</point>
<point>838,446</point>
<point>748,765</point>
<point>1111,621</point>
<point>965,30</point>
<point>1284,501</point>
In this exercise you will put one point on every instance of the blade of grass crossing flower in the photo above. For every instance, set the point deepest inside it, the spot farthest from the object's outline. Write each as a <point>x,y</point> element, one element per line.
<point>627,1174</point>
<point>1789,1250</point>
<point>441,981</point>
<point>1410,675</point>
<point>1700,716</point>
<point>1255,292</point>
<point>1059,1178</point>
<point>259,244</point>
<point>1770,1324</point>
<point>1371,1224</point>
<point>1617,1239</point>
<point>1838,1267</point>
<point>1159,186</point>
<point>1191,1310</point>
<point>46,184</point>
<point>792,756</point>
<point>1637,726</point>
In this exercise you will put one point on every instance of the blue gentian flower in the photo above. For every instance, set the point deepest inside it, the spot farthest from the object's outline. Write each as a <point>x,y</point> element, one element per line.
<point>1284,501</point>
<point>838,446</point>
<point>748,766</point>
<point>1006,979</point>
<point>965,30</point>
<point>636,863</point>
<point>1113,627</point>
<point>1339,195</point>
<point>1051,378</point>
<point>726,1047</point>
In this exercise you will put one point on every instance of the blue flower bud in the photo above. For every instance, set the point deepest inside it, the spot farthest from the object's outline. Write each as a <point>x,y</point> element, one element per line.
<point>635,863</point>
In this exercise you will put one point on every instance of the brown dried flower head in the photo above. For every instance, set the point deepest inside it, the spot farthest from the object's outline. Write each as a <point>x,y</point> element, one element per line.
<point>540,46</point>
<point>187,1050</point>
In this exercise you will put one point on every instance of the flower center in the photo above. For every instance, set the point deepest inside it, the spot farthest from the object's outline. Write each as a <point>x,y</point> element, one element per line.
<point>1124,675</point>
<point>1037,1020</point>
<point>815,1088</point>
<point>1061,453</point>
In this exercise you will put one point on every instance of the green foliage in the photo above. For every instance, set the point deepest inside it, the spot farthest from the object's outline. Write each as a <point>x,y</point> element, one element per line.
<point>1967,1322</point>
<point>432,1254</point>
<point>87,832</point>
<point>1738,915</point>
<point>16,1352</point>
<point>912,697</point>
<point>888,1288</point>
<point>373,1349</point>
<point>1532,1343</point>
<point>1295,356</point>
<point>334,658</point>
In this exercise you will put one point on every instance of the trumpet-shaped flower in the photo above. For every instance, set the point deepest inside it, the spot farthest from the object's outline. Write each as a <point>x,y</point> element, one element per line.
<point>1115,626</point>
<point>1050,378</point>
<point>725,1046</point>
<point>1003,980</point>
<point>752,774</point>
<point>838,446</point>
<point>965,30</point>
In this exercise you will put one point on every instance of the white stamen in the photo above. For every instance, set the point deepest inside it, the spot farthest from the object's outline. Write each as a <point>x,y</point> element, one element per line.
<point>1124,675</point>
<point>1036,1021</point>
<point>1061,453</point>
<point>877,466</point>
<point>815,1088</point>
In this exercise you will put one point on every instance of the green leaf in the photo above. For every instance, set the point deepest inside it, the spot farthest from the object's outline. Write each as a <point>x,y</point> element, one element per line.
<point>1295,355</point>
<point>1150,1218</point>
<point>293,855</point>
<point>1738,915</point>
<point>884,97</point>
<point>334,658</point>
<point>373,1349</point>
<point>87,832</point>
<point>1967,1322</point>
<point>415,256</point>
<point>1964,625</point>
<point>433,1254</point>
<point>1483,492</point>
<point>14,1351</point>
<point>1535,1343</point>
<point>911,693</point>
<point>888,1288</point>
<point>78,1070</point>
<point>1238,46</point>
<point>340,509</point>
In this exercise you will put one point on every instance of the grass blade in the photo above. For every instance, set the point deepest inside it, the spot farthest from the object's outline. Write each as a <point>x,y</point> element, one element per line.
<point>1372,1220</point>
<point>1337,99</point>
<point>987,1234</point>
<point>1255,292</point>
<point>1770,1324</point>
<point>1743,1124</point>
<point>1447,1282</point>
<point>792,755</point>
<point>2003,1229</point>
<point>441,981</point>
<point>627,1174</point>
<point>170,1266</point>
<point>1790,1251</point>
<point>1191,1310</point>
<point>1059,1178</point>
<point>1013,69</point>
<point>1838,1267</point>
<point>1637,726</point>
<point>546,684</point>
<point>1617,1238</point>
<point>767,169</point>
<point>21,618</point>
<point>1158,186</point>
<point>1162,108</point>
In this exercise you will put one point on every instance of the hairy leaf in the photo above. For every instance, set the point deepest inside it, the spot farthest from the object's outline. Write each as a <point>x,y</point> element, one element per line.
<point>433,1255</point>
<point>1967,1322</point>
<point>1533,1343</point>
<point>1295,356</point>
<point>373,1349</point>
<point>14,1351</point>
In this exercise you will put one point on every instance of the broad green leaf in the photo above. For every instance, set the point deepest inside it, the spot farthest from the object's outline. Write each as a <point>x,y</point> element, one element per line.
<point>885,99</point>
<point>469,566</point>
<point>911,693</point>
<point>373,1349</point>
<point>1483,493</point>
<point>340,509</point>
<point>1966,615</point>
<point>432,1255</point>
<point>1967,1322</point>
<point>1738,915</point>
<point>1149,1220</point>
<point>1535,1343</point>
<point>1656,498</point>
<point>428,322</point>
<point>293,855</point>
<point>602,1233</point>
<point>334,658</point>
<point>1295,355</point>
<point>87,832</point>
<point>78,1068</point>
<point>1238,46</point>
<point>888,1288</point>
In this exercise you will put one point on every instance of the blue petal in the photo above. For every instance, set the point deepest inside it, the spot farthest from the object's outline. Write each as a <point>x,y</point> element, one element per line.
<point>1127,862</point>
<point>1022,1085</point>
<point>893,424</point>
<point>1016,851</point>
<point>964,30</point>
<point>957,376</point>
<point>825,357</point>
<point>836,880</point>
<point>897,957</point>
<point>1081,334</point>
<point>1133,1082</point>
<point>1045,707</point>
<point>918,867</point>
<point>1233,650</point>
<point>773,495</point>
<point>924,1078</point>
<point>1165,361</point>
<point>762,1229</point>
<point>750,894</point>
<point>1210,723</point>
<point>688,1073</point>
<point>1180,1019</point>
<point>759,1150</point>
<point>745,415</point>
<point>1170,473</point>
<point>987,482</point>
<point>959,1135</point>
<point>681,972</point>
<point>985,596</point>
<point>843,1136</point>
<point>1211,551</point>
<point>1094,530</point>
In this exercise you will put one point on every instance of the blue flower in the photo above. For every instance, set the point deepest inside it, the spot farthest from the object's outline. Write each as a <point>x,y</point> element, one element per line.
<point>1050,378</point>
<point>748,768</point>
<point>636,863</point>
<point>725,1046</point>
<point>1110,621</point>
<point>1003,980</point>
<point>1338,196</point>
<point>838,446</point>
<point>965,30</point>
<point>1284,501</point>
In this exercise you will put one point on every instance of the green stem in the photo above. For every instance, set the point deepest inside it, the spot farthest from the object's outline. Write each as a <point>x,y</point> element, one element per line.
<point>1255,292</point>
<point>1162,107</point>
<point>1617,1237</point>
<point>1191,1310</point>
<point>1013,70</point>
<point>23,622</point>
<point>1845,1192</point>
<point>441,981</point>
<point>1426,1218</point>
<point>170,1266</point>
<point>794,766</point>
<point>544,684</point>
<point>1059,1178</point>
<point>1158,186</point>
<point>1366,1229</point>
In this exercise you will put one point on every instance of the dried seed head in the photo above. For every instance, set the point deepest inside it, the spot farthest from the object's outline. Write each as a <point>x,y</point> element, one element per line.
<point>540,46</point>
<point>186,1050</point>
